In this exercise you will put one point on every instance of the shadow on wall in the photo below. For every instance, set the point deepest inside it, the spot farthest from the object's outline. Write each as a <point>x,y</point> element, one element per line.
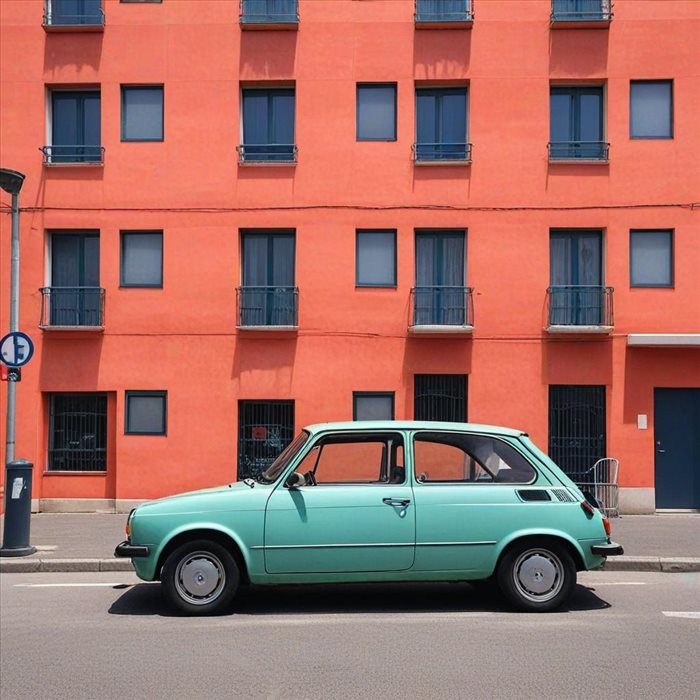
<point>584,361</point>
<point>82,349</point>
<point>441,54</point>
<point>578,53</point>
<point>268,56</point>
<point>60,51</point>
<point>263,361</point>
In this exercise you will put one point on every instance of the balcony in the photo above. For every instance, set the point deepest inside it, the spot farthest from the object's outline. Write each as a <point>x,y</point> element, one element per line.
<point>267,308</point>
<point>441,309</point>
<point>578,14</point>
<point>579,309</point>
<point>442,153</point>
<point>267,154</point>
<point>578,151</point>
<point>72,308</point>
<point>73,16</point>
<point>443,14</point>
<point>269,14</point>
<point>73,155</point>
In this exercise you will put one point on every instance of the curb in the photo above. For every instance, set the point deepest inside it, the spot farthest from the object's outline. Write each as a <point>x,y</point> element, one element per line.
<point>674,565</point>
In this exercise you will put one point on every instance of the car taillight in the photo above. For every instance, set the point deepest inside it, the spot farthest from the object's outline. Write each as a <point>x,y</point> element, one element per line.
<point>587,507</point>
<point>128,529</point>
<point>606,525</point>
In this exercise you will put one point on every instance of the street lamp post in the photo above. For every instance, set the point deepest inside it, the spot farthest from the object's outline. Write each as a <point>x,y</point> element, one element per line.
<point>18,474</point>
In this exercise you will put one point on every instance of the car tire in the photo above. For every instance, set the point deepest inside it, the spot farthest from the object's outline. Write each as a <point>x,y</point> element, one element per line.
<point>537,576</point>
<point>200,578</point>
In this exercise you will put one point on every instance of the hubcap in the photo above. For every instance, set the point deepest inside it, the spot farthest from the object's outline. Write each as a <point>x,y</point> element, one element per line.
<point>200,578</point>
<point>538,575</point>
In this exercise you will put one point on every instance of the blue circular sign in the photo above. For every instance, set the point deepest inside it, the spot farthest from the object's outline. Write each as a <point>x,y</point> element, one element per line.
<point>16,349</point>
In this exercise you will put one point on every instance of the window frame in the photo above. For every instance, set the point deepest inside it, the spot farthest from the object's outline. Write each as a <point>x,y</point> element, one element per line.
<point>672,266</point>
<point>576,91</point>
<point>270,91</point>
<point>672,129</point>
<point>145,393</point>
<point>370,86</point>
<point>138,232</point>
<point>373,394</point>
<point>383,285</point>
<point>122,92</point>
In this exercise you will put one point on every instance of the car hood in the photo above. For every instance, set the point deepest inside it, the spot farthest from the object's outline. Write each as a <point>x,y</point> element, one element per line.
<point>210,499</point>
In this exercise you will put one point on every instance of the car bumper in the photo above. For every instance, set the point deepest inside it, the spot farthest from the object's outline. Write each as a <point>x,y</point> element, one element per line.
<point>125,549</point>
<point>611,549</point>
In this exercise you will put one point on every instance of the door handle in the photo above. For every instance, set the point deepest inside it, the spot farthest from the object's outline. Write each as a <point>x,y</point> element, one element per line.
<point>396,501</point>
<point>661,451</point>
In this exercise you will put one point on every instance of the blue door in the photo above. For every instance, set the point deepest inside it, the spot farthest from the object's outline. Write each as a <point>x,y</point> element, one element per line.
<point>677,447</point>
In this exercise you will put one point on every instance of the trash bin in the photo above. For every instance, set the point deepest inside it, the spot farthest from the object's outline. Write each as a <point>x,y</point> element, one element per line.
<point>18,508</point>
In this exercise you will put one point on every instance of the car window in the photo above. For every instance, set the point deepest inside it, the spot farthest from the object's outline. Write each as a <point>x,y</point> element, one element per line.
<point>371,459</point>
<point>449,457</point>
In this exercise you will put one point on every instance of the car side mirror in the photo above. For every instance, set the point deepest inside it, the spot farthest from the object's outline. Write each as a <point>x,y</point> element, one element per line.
<point>295,480</point>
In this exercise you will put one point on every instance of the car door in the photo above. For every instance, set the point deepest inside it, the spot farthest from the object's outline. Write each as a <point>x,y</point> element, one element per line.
<point>355,511</point>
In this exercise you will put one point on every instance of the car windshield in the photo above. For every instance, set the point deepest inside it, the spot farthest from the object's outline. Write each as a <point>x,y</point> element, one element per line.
<point>285,457</point>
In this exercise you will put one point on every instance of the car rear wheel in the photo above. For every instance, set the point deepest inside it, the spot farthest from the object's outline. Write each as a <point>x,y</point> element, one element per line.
<point>537,577</point>
<point>200,578</point>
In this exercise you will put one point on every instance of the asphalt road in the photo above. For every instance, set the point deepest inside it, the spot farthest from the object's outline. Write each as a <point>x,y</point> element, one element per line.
<point>624,635</point>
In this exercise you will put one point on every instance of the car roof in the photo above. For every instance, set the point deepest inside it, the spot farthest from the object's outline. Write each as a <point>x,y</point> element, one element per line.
<point>376,425</point>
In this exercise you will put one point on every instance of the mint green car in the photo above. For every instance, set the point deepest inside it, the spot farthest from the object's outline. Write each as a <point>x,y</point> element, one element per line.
<point>378,501</point>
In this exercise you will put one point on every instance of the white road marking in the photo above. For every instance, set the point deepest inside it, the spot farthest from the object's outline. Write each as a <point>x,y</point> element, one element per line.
<point>70,585</point>
<point>688,615</point>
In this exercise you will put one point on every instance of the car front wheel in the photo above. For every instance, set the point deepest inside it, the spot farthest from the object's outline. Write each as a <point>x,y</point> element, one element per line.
<point>537,577</point>
<point>200,578</point>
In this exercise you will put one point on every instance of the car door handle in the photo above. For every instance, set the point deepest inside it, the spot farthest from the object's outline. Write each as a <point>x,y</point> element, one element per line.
<point>396,501</point>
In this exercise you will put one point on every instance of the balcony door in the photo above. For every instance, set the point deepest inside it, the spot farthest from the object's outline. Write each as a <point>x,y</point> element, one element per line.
<point>268,294</point>
<point>440,278</point>
<point>75,126</point>
<point>75,279</point>
<point>576,278</point>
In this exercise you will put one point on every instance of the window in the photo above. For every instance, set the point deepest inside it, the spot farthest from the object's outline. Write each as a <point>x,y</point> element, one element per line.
<point>440,397</point>
<point>73,13</point>
<point>268,126</point>
<point>146,413</point>
<point>580,10</point>
<point>375,259</point>
<point>141,259</point>
<point>365,459</point>
<point>376,112</point>
<point>576,124</point>
<point>651,109</point>
<point>443,11</point>
<point>373,405</point>
<point>651,258</point>
<point>448,457</point>
<point>142,113</point>
<point>77,432</point>
<point>262,12</point>
<point>75,127</point>
<point>441,124</point>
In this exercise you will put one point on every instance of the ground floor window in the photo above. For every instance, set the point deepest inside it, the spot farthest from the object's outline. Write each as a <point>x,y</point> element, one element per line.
<point>577,429</point>
<point>77,432</point>
<point>265,428</point>
<point>440,397</point>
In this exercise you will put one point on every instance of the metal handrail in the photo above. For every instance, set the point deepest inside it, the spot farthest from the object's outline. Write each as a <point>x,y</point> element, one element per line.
<point>72,307</point>
<point>580,305</point>
<point>578,150</point>
<point>54,18</point>
<point>442,305</point>
<point>260,306</point>
<point>264,12</point>
<point>581,11</point>
<point>79,153</point>
<point>450,11</point>
<point>267,153</point>
<point>440,152</point>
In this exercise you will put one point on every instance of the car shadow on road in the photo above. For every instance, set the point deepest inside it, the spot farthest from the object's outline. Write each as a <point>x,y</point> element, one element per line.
<point>146,599</point>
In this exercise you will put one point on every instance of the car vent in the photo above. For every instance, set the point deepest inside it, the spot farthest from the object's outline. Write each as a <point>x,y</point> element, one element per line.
<point>534,495</point>
<point>563,495</point>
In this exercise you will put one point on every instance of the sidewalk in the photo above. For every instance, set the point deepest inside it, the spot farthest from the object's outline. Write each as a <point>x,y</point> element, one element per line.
<point>86,542</point>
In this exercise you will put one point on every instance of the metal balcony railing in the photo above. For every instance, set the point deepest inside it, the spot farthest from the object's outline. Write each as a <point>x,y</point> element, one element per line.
<point>443,11</point>
<point>80,14</point>
<point>65,155</point>
<point>267,153</point>
<point>442,152</point>
<point>269,12</point>
<point>72,307</point>
<point>581,11</point>
<point>580,306</point>
<point>267,307</point>
<point>443,305</point>
<point>579,150</point>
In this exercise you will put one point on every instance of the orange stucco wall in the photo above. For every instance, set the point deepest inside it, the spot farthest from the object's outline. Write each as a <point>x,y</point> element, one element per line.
<point>183,339</point>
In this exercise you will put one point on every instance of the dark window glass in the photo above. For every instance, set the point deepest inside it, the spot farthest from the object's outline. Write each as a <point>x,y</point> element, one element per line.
<point>576,123</point>
<point>651,109</point>
<point>142,259</point>
<point>146,413</point>
<point>651,258</point>
<point>268,124</point>
<point>74,12</point>
<point>443,10</point>
<point>440,457</point>
<point>75,127</point>
<point>441,124</point>
<point>441,397</point>
<point>376,259</point>
<point>376,112</point>
<point>142,113</point>
<point>77,432</point>
<point>373,405</point>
